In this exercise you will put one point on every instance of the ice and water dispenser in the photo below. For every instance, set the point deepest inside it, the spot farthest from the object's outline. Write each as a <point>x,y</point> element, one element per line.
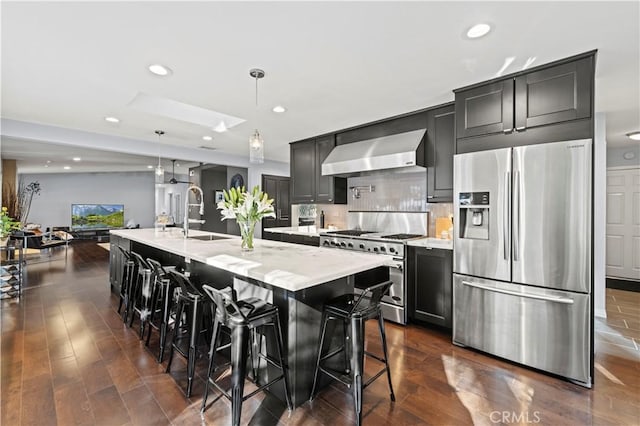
<point>474,215</point>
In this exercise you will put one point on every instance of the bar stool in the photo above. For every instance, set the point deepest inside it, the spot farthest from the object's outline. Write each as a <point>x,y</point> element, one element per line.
<point>125,283</point>
<point>241,318</point>
<point>355,310</point>
<point>190,312</point>
<point>161,303</point>
<point>141,292</point>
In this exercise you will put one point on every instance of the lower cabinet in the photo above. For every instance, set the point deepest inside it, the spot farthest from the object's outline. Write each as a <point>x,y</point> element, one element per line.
<point>306,240</point>
<point>429,285</point>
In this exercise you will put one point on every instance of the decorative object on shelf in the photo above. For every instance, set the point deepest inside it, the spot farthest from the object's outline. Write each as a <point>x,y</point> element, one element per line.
<point>159,169</point>
<point>256,143</point>
<point>219,196</point>
<point>7,224</point>
<point>247,208</point>
<point>237,181</point>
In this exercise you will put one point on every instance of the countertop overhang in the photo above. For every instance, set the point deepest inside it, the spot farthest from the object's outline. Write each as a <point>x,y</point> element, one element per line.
<point>288,266</point>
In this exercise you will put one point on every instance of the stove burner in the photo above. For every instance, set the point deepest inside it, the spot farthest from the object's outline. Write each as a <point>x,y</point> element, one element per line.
<point>401,236</point>
<point>350,232</point>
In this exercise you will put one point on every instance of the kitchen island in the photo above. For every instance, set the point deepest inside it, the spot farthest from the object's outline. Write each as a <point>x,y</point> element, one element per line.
<point>297,279</point>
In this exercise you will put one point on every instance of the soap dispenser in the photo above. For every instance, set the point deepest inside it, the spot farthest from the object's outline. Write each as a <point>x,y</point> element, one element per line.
<point>322,219</point>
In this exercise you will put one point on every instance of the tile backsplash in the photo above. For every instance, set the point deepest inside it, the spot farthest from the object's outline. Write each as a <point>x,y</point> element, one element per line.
<point>393,192</point>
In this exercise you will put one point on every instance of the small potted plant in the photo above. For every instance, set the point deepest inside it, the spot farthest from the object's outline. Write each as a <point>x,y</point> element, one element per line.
<point>7,225</point>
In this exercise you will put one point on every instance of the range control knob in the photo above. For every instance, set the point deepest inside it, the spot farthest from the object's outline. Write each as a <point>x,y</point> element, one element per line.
<point>342,244</point>
<point>375,249</point>
<point>392,250</point>
<point>350,245</point>
<point>333,243</point>
<point>362,246</point>
<point>326,243</point>
<point>383,249</point>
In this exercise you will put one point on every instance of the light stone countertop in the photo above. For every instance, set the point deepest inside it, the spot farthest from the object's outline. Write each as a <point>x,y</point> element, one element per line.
<point>288,266</point>
<point>309,231</point>
<point>432,243</point>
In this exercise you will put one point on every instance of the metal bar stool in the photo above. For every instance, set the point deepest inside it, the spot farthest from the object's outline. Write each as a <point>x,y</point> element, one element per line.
<point>128,267</point>
<point>191,310</point>
<point>141,292</point>
<point>242,318</point>
<point>355,310</point>
<point>161,303</point>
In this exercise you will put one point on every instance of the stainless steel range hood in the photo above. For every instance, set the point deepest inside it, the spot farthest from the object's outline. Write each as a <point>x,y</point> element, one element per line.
<point>402,151</point>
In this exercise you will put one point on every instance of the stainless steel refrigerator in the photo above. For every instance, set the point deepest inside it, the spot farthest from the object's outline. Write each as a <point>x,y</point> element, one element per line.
<point>522,280</point>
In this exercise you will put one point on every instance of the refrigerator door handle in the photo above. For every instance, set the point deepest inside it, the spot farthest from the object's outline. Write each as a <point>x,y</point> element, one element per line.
<point>516,217</point>
<point>563,300</point>
<point>506,215</point>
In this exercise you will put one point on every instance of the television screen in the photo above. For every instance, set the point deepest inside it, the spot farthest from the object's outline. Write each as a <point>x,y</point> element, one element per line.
<point>95,216</point>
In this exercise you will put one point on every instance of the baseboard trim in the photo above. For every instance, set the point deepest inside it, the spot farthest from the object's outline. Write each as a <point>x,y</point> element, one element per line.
<point>600,313</point>
<point>628,285</point>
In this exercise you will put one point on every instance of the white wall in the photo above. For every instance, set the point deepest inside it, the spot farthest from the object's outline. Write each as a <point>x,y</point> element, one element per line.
<point>615,156</point>
<point>136,190</point>
<point>599,215</point>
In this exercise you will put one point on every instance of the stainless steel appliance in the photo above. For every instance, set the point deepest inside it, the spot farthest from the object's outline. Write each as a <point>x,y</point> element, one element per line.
<point>523,256</point>
<point>398,228</point>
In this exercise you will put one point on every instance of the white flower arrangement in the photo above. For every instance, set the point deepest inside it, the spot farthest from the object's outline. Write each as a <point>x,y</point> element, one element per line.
<point>246,208</point>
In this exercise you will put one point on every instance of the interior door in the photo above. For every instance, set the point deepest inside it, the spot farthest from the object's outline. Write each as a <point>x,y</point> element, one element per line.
<point>623,224</point>
<point>551,223</point>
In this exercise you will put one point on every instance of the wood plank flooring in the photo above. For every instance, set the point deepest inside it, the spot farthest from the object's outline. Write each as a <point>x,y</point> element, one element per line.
<point>68,359</point>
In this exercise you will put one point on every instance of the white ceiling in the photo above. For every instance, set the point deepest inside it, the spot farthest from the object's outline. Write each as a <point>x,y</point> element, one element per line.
<point>331,64</point>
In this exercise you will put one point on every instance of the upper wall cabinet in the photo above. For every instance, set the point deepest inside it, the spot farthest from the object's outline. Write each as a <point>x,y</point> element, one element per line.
<point>439,151</point>
<point>549,103</point>
<point>308,184</point>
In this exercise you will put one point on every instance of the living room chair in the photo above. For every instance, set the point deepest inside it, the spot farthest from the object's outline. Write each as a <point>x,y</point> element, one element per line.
<point>37,242</point>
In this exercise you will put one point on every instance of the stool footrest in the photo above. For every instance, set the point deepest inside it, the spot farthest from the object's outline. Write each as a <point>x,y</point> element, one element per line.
<point>340,376</point>
<point>378,374</point>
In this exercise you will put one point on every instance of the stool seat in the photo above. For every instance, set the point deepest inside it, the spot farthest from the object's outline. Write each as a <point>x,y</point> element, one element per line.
<point>353,311</point>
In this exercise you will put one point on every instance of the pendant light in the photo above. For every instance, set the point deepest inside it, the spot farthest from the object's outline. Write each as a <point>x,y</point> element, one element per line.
<point>256,143</point>
<point>159,168</point>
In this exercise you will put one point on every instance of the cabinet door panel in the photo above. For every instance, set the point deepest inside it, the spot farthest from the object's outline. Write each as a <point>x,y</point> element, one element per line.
<point>484,110</point>
<point>303,171</point>
<point>554,95</point>
<point>324,184</point>
<point>440,148</point>
<point>429,276</point>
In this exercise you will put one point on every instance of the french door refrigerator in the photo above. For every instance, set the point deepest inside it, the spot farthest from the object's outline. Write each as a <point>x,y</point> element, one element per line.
<point>522,280</point>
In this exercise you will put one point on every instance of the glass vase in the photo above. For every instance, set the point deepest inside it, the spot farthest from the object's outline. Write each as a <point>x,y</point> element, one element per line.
<point>246,232</point>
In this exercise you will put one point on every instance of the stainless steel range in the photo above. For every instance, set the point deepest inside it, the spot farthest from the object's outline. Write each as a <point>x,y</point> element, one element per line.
<point>398,229</point>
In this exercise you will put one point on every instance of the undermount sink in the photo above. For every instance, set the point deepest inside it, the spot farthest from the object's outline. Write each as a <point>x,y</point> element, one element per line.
<point>207,237</point>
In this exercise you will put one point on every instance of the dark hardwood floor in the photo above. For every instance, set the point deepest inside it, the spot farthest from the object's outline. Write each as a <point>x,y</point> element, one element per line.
<point>68,359</point>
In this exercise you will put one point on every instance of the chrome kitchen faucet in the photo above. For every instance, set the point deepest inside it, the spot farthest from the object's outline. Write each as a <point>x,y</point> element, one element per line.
<point>187,220</point>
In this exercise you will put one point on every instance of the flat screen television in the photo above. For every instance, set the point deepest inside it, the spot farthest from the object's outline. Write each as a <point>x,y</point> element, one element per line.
<point>97,216</point>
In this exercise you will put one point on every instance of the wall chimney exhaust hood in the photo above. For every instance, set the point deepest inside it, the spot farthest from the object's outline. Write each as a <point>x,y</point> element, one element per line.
<point>399,152</point>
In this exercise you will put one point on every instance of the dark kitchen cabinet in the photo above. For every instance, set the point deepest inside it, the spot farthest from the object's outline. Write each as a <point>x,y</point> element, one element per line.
<point>441,140</point>
<point>429,282</point>
<point>548,103</point>
<point>307,240</point>
<point>308,184</point>
<point>277,187</point>
<point>303,171</point>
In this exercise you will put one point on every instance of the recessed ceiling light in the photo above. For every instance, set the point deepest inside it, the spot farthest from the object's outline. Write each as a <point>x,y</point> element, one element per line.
<point>77,158</point>
<point>46,165</point>
<point>160,70</point>
<point>207,138</point>
<point>634,135</point>
<point>478,30</point>
<point>66,167</point>
<point>149,167</point>
<point>279,108</point>
<point>48,161</point>
<point>112,119</point>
